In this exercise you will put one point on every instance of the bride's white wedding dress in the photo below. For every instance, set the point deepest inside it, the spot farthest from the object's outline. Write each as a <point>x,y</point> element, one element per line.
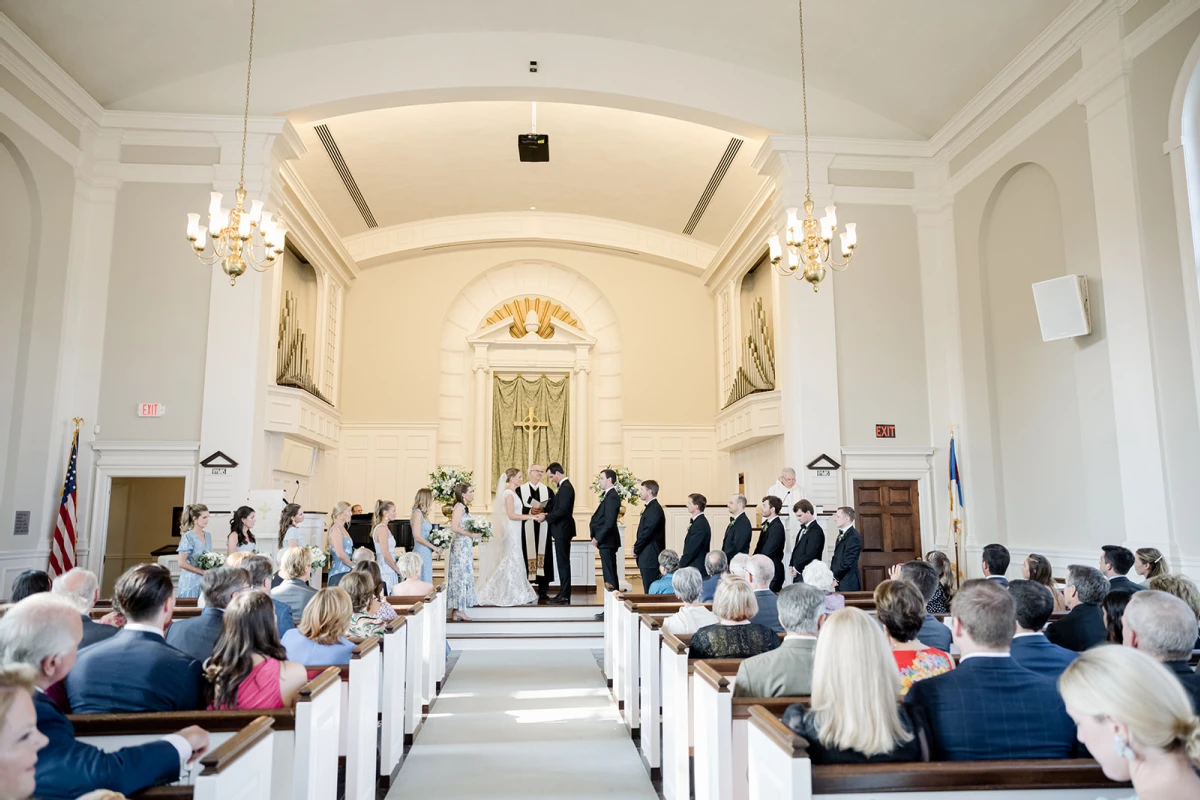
<point>508,585</point>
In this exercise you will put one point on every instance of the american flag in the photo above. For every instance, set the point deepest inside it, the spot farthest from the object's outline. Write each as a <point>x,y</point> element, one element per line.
<point>62,551</point>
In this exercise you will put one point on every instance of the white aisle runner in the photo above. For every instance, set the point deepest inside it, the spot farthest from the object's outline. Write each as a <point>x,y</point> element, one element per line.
<point>528,724</point>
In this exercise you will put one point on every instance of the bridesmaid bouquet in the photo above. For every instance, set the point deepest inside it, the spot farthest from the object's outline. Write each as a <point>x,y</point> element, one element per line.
<point>210,560</point>
<point>441,537</point>
<point>319,559</point>
<point>481,526</point>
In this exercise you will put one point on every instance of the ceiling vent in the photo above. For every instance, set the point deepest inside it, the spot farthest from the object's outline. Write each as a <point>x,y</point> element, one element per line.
<point>335,155</point>
<point>718,175</point>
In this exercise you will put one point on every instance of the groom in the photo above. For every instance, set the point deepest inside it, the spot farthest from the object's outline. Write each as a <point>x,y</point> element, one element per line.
<point>605,535</point>
<point>560,517</point>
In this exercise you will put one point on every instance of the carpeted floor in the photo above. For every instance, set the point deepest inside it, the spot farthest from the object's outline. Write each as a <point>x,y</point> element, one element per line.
<point>526,724</point>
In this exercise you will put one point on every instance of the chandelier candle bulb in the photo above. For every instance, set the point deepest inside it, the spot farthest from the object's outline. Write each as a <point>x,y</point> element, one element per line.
<point>772,243</point>
<point>845,244</point>
<point>193,226</point>
<point>831,215</point>
<point>243,226</point>
<point>201,239</point>
<point>851,234</point>
<point>214,205</point>
<point>256,211</point>
<point>793,221</point>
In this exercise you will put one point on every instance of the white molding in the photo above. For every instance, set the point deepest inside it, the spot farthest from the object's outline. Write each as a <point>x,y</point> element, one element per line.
<point>1158,25</point>
<point>755,418</point>
<point>202,174</point>
<point>740,250</point>
<point>348,427</point>
<point>324,247</point>
<point>880,462</point>
<point>680,428</point>
<point>45,77</point>
<point>298,414</point>
<point>876,196</point>
<point>38,128</point>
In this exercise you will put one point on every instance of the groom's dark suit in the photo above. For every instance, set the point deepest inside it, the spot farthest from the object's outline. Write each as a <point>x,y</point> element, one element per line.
<point>651,540</point>
<point>608,539</point>
<point>559,514</point>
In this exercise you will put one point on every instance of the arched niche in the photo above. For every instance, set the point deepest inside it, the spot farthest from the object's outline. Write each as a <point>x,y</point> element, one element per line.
<point>1183,149</point>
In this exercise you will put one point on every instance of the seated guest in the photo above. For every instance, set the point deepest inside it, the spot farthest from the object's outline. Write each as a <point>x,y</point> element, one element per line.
<point>1182,587</point>
<point>197,636</point>
<point>1083,626</point>
<point>1164,628</point>
<point>1149,563</point>
<point>295,592</point>
<point>238,558</point>
<point>995,563</point>
<point>136,670</point>
<point>717,567</point>
<point>1113,609</point>
<point>411,586</point>
<point>19,737</point>
<point>734,636</point>
<point>900,608</point>
<point>361,589</point>
<point>249,667</point>
<point>29,582</point>
<point>1115,563</point>
<point>1138,726</point>
<point>924,577</point>
<point>1030,648</point>
<point>42,633</point>
<point>761,572</point>
<point>739,566</point>
<point>380,608</point>
<point>819,574</point>
<point>693,615</point>
<point>260,569</point>
<point>854,717</point>
<point>1036,568</point>
<point>80,588</point>
<point>990,707</point>
<point>321,638</point>
<point>787,670</point>
<point>668,562</point>
<point>940,602</point>
<point>362,554</point>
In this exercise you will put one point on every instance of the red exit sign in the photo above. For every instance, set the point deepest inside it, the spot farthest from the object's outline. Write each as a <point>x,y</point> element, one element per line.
<point>885,431</point>
<point>151,409</point>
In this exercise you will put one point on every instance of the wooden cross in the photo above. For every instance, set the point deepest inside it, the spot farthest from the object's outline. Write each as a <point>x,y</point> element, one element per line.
<point>530,424</point>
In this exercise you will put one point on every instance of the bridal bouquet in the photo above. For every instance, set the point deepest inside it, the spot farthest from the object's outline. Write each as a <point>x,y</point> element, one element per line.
<point>626,486</point>
<point>481,526</point>
<point>441,537</point>
<point>210,560</point>
<point>443,480</point>
<point>319,559</point>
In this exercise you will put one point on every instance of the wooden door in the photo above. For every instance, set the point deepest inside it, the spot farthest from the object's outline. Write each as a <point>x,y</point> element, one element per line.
<point>889,520</point>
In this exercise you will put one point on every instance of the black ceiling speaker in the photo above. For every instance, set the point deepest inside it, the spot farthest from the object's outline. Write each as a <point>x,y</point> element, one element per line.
<point>533,146</point>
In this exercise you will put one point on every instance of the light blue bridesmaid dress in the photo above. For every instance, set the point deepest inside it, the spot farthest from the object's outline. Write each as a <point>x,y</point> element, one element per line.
<point>424,552</point>
<point>190,543</point>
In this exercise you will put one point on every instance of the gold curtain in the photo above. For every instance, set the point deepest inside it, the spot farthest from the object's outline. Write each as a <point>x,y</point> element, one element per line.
<point>511,401</point>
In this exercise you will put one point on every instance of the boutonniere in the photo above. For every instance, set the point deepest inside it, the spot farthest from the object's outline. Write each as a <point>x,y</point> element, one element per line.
<point>841,536</point>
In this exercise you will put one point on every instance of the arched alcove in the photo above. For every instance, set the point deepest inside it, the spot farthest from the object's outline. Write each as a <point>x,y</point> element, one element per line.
<point>1183,149</point>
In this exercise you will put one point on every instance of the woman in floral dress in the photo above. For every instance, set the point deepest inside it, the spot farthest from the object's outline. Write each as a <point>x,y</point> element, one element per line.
<point>194,541</point>
<point>460,569</point>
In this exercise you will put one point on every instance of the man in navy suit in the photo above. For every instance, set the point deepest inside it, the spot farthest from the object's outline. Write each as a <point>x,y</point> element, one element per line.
<point>923,575</point>
<point>651,534</point>
<point>844,564</point>
<point>1115,563</point>
<point>1030,648</point>
<point>995,563</point>
<point>80,588</point>
<point>698,540</point>
<point>1083,626</point>
<point>810,540</point>
<point>136,670</point>
<point>773,538</point>
<point>717,566</point>
<point>43,632</point>
<point>198,636</point>
<point>991,708</point>
<point>739,531</point>
<point>262,571</point>
<point>1164,627</point>
<point>761,571</point>
<point>603,525</point>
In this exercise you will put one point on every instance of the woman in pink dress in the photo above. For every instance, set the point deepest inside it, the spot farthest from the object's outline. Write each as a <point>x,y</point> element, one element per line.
<point>248,667</point>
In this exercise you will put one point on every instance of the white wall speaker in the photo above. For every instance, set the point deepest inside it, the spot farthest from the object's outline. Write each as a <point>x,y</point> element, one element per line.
<point>296,457</point>
<point>1062,307</point>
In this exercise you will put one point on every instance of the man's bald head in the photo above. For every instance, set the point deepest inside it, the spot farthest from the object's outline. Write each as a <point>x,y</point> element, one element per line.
<point>42,631</point>
<point>78,587</point>
<point>762,571</point>
<point>1159,624</point>
<point>535,473</point>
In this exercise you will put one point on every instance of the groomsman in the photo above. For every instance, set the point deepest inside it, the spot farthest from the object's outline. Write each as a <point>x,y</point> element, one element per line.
<point>698,540</point>
<point>603,526</point>
<point>561,519</point>
<point>845,554</point>
<point>737,535</point>
<point>537,532</point>
<point>772,539</point>
<point>651,534</point>
<point>810,541</point>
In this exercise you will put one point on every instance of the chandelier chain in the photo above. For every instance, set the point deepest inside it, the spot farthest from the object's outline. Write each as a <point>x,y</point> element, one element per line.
<point>246,110</point>
<point>804,98</point>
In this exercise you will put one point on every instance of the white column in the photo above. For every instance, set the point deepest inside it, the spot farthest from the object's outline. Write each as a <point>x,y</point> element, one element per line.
<point>481,459</point>
<point>581,435</point>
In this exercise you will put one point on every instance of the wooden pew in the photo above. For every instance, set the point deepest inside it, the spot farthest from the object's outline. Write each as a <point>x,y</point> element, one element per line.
<point>676,720</point>
<point>240,769</point>
<point>393,688</point>
<point>630,668</point>
<point>359,717</point>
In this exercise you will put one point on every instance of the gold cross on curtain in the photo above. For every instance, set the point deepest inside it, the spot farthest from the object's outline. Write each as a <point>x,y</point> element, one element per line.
<point>531,422</point>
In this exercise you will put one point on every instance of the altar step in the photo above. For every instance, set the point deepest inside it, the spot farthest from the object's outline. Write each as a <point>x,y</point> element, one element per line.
<point>528,628</point>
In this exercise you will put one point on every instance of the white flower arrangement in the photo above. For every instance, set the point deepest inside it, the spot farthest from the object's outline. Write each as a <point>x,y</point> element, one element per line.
<point>443,480</point>
<point>318,557</point>
<point>481,526</point>
<point>441,537</point>
<point>626,486</point>
<point>210,560</point>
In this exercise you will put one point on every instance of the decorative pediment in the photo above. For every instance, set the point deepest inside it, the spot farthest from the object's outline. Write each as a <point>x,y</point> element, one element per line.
<point>536,313</point>
<point>499,333</point>
<point>218,460</point>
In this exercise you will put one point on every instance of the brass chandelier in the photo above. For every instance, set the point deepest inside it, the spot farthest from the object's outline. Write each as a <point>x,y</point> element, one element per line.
<point>240,238</point>
<point>808,240</point>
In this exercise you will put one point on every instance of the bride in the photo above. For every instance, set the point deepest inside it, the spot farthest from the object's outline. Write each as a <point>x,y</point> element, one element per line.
<point>503,577</point>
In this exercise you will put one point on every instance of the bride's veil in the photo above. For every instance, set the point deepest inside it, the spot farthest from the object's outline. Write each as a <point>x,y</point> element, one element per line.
<point>490,552</point>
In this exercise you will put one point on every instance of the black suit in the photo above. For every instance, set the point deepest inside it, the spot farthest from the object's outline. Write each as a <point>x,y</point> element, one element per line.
<point>771,542</point>
<point>608,540</point>
<point>1081,628</point>
<point>1123,584</point>
<point>810,544</point>
<point>1190,680</point>
<point>737,537</point>
<point>651,540</point>
<point>845,561</point>
<point>198,636</point>
<point>134,671</point>
<point>696,544</point>
<point>95,632</point>
<point>560,516</point>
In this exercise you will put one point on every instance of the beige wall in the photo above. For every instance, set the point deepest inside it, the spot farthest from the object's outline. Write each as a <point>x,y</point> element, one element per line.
<point>139,522</point>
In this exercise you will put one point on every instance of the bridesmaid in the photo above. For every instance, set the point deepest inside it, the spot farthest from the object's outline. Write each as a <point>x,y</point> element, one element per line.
<point>193,541</point>
<point>289,533</point>
<point>337,542</point>
<point>420,530</point>
<point>241,537</point>
<point>385,543</point>
<point>460,569</point>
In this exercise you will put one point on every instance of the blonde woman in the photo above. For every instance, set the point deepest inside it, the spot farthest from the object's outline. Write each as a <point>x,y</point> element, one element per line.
<point>1136,720</point>
<point>289,533</point>
<point>337,542</point>
<point>1182,587</point>
<point>194,540</point>
<point>385,543</point>
<point>460,567</point>
<point>854,717</point>
<point>20,739</point>
<point>503,575</point>
<point>413,586</point>
<point>421,526</point>
<point>1149,563</point>
<point>735,636</point>
<point>321,638</point>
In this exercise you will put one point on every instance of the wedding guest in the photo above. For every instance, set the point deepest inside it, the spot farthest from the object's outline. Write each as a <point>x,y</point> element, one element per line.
<point>923,576</point>
<point>198,636</point>
<point>1149,563</point>
<point>693,615</point>
<point>761,576</point>
<point>361,589</point>
<point>995,563</point>
<point>194,540</point>
<point>260,569</point>
<point>421,528</point>
<point>295,566</point>
<point>940,602</point>
<point>1030,648</point>
<point>385,543</point>
<point>235,560</point>
<point>338,543</point>
<point>460,567</point>
<point>362,554</point>
<point>787,670</point>
<point>320,640</point>
<point>31,581</point>
<point>1179,585</point>
<point>380,607</point>
<point>241,537</point>
<point>1036,567</point>
<point>80,588</point>
<point>413,585</point>
<point>818,574</point>
<point>1083,626</point>
<point>289,531</point>
<point>900,609</point>
<point>1163,627</point>
<point>1115,563</point>
<point>249,667</point>
<point>716,566</point>
<point>853,717</point>
<point>739,566</point>
<point>1113,609</point>
<point>1133,721</point>
<point>20,739</point>
<point>668,562</point>
<point>735,636</point>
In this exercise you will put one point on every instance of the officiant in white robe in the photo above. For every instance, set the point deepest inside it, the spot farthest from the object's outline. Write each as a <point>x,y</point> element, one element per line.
<point>536,544</point>
<point>787,489</point>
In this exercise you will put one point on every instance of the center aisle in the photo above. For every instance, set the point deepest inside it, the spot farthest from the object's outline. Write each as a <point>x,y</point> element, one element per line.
<point>524,723</point>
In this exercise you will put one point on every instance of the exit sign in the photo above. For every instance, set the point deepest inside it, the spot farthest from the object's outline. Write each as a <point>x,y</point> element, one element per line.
<point>151,409</point>
<point>885,431</point>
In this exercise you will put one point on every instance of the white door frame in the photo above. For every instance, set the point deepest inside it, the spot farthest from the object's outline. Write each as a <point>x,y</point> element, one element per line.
<point>895,464</point>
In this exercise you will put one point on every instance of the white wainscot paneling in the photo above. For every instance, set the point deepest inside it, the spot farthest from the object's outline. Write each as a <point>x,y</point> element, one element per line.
<point>15,562</point>
<point>683,459</point>
<point>385,461</point>
<point>749,420</point>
